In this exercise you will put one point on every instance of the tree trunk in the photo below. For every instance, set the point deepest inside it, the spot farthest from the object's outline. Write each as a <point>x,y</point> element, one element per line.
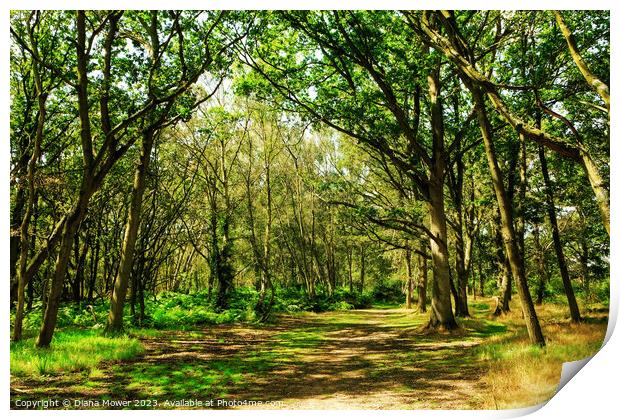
<point>543,274</point>
<point>117,302</point>
<point>80,255</point>
<point>94,264</point>
<point>480,273</point>
<point>24,239</point>
<point>264,309</point>
<point>62,260</point>
<point>503,300</point>
<point>598,186</point>
<point>508,232</point>
<point>422,282</point>
<point>460,297</point>
<point>595,83</point>
<point>462,308</point>
<point>441,303</point>
<point>362,267</point>
<point>557,243</point>
<point>522,189</point>
<point>14,244</point>
<point>224,271</point>
<point>350,264</point>
<point>505,280</point>
<point>409,278</point>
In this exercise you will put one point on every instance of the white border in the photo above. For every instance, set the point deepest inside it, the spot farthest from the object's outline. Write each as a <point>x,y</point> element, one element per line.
<point>593,394</point>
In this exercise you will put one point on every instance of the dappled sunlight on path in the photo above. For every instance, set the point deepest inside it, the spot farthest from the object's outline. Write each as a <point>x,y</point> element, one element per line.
<point>362,359</point>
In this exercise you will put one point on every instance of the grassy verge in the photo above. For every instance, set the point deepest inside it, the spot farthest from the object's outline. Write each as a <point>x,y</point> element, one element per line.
<point>522,375</point>
<point>71,350</point>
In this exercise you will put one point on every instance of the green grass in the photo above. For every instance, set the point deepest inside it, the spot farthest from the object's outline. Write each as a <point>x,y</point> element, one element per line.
<point>71,350</point>
<point>219,363</point>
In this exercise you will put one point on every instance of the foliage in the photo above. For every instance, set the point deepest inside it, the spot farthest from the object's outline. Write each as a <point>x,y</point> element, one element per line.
<point>387,292</point>
<point>173,310</point>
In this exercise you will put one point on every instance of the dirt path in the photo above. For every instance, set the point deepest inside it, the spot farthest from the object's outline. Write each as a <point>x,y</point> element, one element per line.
<point>364,359</point>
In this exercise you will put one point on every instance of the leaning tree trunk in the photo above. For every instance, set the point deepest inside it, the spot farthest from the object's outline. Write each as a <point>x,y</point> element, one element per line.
<point>598,186</point>
<point>119,293</point>
<point>69,231</point>
<point>508,231</point>
<point>575,316</point>
<point>595,83</point>
<point>24,238</point>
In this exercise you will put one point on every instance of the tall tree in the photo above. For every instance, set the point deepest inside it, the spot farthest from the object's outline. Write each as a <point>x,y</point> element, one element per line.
<point>347,67</point>
<point>168,116</point>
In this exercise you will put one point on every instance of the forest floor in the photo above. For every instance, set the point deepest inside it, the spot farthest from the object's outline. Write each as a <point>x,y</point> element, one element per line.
<point>377,358</point>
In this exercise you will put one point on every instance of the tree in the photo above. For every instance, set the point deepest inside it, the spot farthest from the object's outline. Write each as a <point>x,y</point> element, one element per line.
<point>343,65</point>
<point>455,48</point>
<point>104,140</point>
<point>168,117</point>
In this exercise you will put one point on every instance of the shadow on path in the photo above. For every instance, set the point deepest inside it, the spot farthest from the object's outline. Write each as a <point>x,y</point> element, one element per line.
<point>363,359</point>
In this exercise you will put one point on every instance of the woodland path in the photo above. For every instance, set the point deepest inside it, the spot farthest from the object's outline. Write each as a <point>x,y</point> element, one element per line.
<point>361,359</point>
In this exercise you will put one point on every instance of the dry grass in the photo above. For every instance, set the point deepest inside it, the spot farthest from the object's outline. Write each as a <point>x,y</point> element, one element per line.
<point>522,375</point>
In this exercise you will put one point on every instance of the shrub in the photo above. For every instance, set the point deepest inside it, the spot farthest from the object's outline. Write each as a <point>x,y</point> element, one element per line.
<point>187,311</point>
<point>387,292</point>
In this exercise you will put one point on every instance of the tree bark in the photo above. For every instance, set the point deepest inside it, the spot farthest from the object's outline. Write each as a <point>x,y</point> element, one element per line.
<point>503,300</point>
<point>62,260</point>
<point>409,278</point>
<point>543,274</point>
<point>264,309</point>
<point>505,280</point>
<point>441,304</point>
<point>598,186</point>
<point>422,283</point>
<point>362,267</point>
<point>557,243</point>
<point>121,283</point>
<point>508,232</point>
<point>595,83</point>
